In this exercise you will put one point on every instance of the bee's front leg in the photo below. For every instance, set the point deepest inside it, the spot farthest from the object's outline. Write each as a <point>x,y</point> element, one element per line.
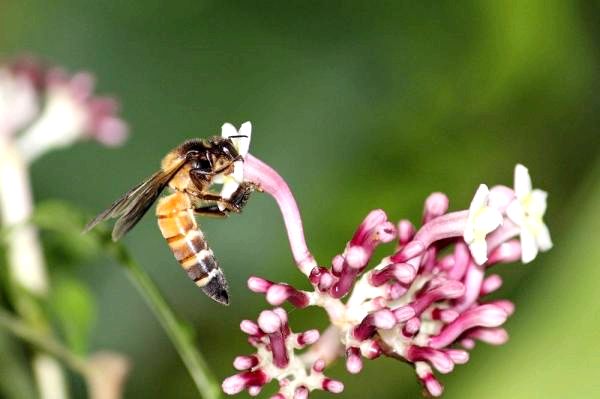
<point>234,204</point>
<point>240,197</point>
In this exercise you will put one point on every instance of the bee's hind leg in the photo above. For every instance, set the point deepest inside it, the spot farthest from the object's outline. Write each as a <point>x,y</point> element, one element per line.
<point>210,211</point>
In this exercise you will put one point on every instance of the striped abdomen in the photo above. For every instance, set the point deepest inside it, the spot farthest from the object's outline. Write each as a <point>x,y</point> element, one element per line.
<point>177,223</point>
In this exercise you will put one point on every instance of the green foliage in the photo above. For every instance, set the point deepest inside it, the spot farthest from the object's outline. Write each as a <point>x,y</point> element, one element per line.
<point>74,308</point>
<point>65,245</point>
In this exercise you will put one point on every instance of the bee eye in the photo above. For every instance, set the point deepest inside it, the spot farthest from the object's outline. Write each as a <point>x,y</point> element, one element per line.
<point>204,164</point>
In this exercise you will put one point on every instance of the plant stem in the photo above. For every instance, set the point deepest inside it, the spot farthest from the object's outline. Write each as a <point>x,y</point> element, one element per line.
<point>26,262</point>
<point>42,341</point>
<point>203,378</point>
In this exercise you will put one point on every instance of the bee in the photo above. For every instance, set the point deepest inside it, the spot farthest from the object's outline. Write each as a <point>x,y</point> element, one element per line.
<point>189,171</point>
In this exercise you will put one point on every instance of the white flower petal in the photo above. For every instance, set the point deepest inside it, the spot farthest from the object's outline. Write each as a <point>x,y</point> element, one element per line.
<point>219,179</point>
<point>478,250</point>
<point>238,171</point>
<point>522,181</point>
<point>544,241</point>
<point>537,203</point>
<point>229,188</point>
<point>488,220</point>
<point>246,129</point>
<point>469,234</point>
<point>516,213</point>
<point>241,144</point>
<point>529,248</point>
<point>480,198</point>
<point>228,130</point>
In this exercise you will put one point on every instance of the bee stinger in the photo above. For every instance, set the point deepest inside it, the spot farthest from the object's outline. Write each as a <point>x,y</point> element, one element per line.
<point>189,170</point>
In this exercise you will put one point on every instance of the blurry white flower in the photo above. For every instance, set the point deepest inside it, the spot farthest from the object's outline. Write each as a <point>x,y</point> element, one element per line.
<point>72,113</point>
<point>18,101</point>
<point>527,212</point>
<point>481,221</point>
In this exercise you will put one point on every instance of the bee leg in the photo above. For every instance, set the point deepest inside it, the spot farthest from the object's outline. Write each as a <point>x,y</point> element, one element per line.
<point>240,197</point>
<point>210,211</point>
<point>237,200</point>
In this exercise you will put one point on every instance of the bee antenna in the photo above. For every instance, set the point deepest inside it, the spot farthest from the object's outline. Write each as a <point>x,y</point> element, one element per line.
<point>237,136</point>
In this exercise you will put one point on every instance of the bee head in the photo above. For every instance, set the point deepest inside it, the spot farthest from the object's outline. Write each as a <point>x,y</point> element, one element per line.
<point>212,156</point>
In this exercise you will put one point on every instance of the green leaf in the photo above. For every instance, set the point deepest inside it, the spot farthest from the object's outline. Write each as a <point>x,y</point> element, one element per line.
<point>74,308</point>
<point>62,225</point>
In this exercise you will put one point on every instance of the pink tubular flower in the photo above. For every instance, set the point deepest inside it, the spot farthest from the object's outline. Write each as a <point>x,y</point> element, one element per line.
<point>425,303</point>
<point>46,108</point>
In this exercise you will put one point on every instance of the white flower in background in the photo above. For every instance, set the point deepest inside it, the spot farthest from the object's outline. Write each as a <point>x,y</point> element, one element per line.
<point>481,221</point>
<point>527,212</point>
<point>71,113</point>
<point>241,141</point>
<point>18,101</point>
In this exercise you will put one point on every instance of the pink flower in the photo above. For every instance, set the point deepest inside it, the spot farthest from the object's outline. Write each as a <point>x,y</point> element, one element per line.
<point>46,108</point>
<point>425,303</point>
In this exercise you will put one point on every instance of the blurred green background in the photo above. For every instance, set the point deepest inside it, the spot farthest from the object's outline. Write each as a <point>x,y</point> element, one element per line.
<point>358,105</point>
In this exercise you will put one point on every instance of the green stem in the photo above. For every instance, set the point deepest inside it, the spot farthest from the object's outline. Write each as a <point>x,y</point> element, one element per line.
<point>42,341</point>
<point>203,378</point>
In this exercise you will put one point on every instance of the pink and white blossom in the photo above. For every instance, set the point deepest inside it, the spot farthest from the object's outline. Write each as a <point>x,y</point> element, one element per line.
<point>482,220</point>
<point>44,108</point>
<point>424,303</point>
<point>527,211</point>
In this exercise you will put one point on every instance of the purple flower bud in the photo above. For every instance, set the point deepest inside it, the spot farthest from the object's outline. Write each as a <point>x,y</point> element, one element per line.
<point>245,362</point>
<point>482,316</point>
<point>279,293</point>
<point>406,232</point>
<point>259,285</point>
<point>438,359</point>
<point>307,338</point>
<point>402,272</point>
<point>492,336</point>
<point>412,249</point>
<point>332,386</point>
<point>384,319</point>
<point>435,205</point>
<point>353,361</point>
<point>404,313</point>
<point>458,356</point>
<point>507,252</point>
<point>490,284</point>
<point>239,382</point>
<point>271,323</point>
<point>448,290</point>
<point>301,393</point>
<point>249,327</point>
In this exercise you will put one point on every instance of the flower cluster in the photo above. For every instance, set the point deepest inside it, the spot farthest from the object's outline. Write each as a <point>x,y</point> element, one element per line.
<point>45,108</point>
<point>425,303</point>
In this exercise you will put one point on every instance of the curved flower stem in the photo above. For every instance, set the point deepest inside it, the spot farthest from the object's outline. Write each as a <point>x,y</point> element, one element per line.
<point>205,381</point>
<point>273,184</point>
<point>42,341</point>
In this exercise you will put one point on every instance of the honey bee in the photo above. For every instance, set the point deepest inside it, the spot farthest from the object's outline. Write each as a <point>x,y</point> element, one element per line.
<point>189,171</point>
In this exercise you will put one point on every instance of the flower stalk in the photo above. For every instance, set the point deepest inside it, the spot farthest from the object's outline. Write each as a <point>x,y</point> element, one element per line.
<point>205,381</point>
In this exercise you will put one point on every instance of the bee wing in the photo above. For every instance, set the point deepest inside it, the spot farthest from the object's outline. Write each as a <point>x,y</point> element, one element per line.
<point>130,208</point>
